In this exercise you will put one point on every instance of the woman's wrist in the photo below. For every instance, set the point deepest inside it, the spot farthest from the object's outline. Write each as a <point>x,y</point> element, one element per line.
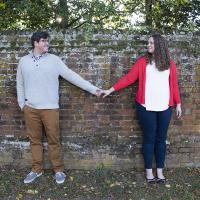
<point>111,89</point>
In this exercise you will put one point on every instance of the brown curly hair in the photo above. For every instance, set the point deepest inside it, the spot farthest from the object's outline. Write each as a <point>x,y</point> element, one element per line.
<point>161,53</point>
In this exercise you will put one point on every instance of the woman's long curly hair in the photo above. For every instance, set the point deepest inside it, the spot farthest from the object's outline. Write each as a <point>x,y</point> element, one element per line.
<point>161,53</point>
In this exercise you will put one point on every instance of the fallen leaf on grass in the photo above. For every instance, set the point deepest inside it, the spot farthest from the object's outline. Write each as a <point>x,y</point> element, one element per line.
<point>32,192</point>
<point>19,197</point>
<point>114,184</point>
<point>167,186</point>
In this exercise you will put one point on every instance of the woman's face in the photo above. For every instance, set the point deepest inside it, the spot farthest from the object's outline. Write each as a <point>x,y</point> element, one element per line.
<point>150,45</point>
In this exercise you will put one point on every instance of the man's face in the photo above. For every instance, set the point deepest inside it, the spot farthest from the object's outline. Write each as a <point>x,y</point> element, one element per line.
<point>42,46</point>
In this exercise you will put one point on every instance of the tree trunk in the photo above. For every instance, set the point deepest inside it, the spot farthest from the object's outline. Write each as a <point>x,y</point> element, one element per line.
<point>148,8</point>
<point>65,14</point>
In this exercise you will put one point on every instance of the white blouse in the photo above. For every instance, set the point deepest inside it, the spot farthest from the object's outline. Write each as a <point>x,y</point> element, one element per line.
<point>157,92</point>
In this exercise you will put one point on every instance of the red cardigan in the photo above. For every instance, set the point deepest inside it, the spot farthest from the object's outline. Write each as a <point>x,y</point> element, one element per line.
<point>138,71</point>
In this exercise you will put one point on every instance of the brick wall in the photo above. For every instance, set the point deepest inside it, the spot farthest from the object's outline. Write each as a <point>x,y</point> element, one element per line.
<point>98,131</point>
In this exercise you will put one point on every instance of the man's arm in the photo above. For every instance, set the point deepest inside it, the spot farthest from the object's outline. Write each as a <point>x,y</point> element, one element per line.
<point>76,79</point>
<point>20,88</point>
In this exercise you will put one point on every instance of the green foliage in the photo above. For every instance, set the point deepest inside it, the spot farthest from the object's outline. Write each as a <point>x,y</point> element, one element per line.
<point>26,14</point>
<point>163,15</point>
<point>2,5</point>
<point>172,15</point>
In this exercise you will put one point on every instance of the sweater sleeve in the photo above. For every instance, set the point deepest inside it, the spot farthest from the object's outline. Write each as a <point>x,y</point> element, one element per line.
<point>129,78</point>
<point>20,87</point>
<point>176,93</point>
<point>74,78</point>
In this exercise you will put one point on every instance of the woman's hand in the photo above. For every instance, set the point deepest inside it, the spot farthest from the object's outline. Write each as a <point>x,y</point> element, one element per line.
<point>108,92</point>
<point>178,110</point>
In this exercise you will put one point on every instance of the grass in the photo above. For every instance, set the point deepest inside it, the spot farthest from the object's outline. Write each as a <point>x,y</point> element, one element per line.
<point>100,184</point>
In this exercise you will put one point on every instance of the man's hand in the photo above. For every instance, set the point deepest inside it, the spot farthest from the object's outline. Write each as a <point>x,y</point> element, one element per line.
<point>99,92</point>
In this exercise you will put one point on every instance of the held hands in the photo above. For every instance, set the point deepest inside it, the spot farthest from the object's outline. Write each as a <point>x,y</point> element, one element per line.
<point>178,110</point>
<point>108,92</point>
<point>104,92</point>
<point>98,92</point>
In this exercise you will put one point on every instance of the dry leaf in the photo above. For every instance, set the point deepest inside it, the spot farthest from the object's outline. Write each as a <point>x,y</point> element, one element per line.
<point>32,192</point>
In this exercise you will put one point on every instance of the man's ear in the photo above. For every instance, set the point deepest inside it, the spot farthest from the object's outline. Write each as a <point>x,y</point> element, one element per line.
<point>35,43</point>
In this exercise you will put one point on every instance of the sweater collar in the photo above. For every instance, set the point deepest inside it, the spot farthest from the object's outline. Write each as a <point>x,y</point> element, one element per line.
<point>36,58</point>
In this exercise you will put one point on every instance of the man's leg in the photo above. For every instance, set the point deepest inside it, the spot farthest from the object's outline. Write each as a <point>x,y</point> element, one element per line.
<point>34,132</point>
<point>50,119</point>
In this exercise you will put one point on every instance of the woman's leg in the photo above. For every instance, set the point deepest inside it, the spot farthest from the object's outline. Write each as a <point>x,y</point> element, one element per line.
<point>163,120</point>
<point>147,120</point>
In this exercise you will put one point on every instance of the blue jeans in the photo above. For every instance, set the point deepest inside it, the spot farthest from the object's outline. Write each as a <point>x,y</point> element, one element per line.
<point>154,125</point>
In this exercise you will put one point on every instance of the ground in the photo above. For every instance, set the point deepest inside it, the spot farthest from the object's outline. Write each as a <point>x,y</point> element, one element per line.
<point>100,184</point>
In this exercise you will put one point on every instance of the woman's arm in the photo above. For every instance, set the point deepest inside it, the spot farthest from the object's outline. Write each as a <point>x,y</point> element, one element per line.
<point>176,93</point>
<point>127,79</point>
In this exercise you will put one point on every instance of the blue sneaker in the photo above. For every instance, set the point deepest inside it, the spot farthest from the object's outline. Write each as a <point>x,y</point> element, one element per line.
<point>31,177</point>
<point>60,177</point>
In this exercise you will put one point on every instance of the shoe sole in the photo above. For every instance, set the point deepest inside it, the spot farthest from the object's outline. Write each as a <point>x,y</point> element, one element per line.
<point>161,181</point>
<point>33,179</point>
<point>60,182</point>
<point>151,181</point>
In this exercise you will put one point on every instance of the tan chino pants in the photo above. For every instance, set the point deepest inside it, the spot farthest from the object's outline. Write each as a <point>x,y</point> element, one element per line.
<point>49,118</point>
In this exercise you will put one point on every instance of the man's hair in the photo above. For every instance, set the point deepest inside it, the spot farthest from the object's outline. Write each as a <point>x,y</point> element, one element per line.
<point>37,36</point>
<point>161,53</point>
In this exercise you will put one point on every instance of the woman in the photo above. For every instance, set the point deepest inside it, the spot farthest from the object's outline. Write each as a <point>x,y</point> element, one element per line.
<point>157,92</point>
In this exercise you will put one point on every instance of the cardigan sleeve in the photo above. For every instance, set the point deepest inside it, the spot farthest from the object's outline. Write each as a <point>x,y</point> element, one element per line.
<point>176,93</point>
<point>129,78</point>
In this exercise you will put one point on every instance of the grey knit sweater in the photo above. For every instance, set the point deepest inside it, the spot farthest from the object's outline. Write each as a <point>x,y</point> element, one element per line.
<point>38,81</point>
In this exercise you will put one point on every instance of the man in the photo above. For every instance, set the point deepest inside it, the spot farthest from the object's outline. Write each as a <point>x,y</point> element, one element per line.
<point>37,91</point>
